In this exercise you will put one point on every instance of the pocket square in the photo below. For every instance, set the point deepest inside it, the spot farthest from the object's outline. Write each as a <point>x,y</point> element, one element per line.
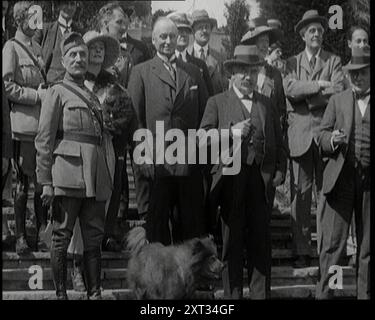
<point>194,88</point>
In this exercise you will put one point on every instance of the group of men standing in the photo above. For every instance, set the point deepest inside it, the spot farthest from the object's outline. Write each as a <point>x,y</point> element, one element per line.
<point>297,115</point>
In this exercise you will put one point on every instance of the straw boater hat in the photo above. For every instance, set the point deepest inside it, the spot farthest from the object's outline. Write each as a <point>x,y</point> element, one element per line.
<point>180,19</point>
<point>360,59</point>
<point>311,16</point>
<point>259,26</point>
<point>112,46</point>
<point>202,16</point>
<point>244,56</point>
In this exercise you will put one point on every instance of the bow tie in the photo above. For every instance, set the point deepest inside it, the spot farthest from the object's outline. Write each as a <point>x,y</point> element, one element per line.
<point>247,97</point>
<point>361,95</point>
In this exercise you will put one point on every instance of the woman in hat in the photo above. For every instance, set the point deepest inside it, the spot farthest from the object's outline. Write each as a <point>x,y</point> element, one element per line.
<point>118,115</point>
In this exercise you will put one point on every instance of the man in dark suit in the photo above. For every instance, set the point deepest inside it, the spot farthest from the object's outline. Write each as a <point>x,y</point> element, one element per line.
<point>202,28</point>
<point>184,30</point>
<point>311,78</point>
<point>244,197</point>
<point>170,91</point>
<point>345,140</point>
<point>50,37</point>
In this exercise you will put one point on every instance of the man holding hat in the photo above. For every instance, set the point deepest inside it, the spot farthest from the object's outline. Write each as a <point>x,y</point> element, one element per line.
<point>51,35</point>
<point>345,139</point>
<point>244,198</point>
<point>71,166</point>
<point>202,26</point>
<point>184,30</point>
<point>311,78</point>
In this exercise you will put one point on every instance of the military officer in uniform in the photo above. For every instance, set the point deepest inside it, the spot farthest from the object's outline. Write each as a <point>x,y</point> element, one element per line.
<point>72,168</point>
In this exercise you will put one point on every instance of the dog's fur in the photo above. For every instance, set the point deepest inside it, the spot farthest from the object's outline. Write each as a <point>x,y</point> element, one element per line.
<point>171,272</point>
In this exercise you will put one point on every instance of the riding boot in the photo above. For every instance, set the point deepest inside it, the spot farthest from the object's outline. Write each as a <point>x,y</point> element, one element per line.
<point>20,205</point>
<point>92,271</point>
<point>41,213</point>
<point>59,266</point>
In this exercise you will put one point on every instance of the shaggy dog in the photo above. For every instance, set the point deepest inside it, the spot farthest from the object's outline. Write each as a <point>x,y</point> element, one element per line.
<point>171,272</point>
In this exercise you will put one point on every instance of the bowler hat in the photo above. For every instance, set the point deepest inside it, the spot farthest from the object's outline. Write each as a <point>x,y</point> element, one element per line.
<point>69,41</point>
<point>257,27</point>
<point>311,16</point>
<point>244,56</point>
<point>112,46</point>
<point>360,59</point>
<point>180,19</point>
<point>202,16</point>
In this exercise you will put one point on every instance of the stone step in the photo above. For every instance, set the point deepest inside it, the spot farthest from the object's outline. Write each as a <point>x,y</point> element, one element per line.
<point>301,292</point>
<point>18,279</point>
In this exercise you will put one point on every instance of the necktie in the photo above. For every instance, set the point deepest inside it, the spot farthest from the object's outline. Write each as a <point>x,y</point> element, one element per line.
<point>203,56</point>
<point>180,58</point>
<point>361,95</point>
<point>247,97</point>
<point>312,62</point>
<point>171,70</point>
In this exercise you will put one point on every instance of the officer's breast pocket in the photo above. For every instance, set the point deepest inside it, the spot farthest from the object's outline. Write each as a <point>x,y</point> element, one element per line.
<point>67,169</point>
<point>76,117</point>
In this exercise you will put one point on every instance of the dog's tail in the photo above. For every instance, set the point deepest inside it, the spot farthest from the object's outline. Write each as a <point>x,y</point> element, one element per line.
<point>136,240</point>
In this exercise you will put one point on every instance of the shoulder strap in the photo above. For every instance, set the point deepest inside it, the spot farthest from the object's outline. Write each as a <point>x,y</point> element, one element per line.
<point>85,100</point>
<point>32,57</point>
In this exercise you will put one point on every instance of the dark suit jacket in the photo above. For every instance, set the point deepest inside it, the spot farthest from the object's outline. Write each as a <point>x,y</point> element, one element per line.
<point>338,115</point>
<point>215,67</point>
<point>225,110</point>
<point>156,98</point>
<point>6,142</point>
<point>307,100</point>
<point>204,71</point>
<point>47,40</point>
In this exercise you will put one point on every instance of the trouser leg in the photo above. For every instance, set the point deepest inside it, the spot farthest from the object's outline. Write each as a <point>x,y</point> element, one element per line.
<point>301,203</point>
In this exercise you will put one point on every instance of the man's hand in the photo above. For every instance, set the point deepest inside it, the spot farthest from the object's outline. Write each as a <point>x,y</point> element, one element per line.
<point>47,195</point>
<point>338,138</point>
<point>324,84</point>
<point>244,126</point>
<point>278,179</point>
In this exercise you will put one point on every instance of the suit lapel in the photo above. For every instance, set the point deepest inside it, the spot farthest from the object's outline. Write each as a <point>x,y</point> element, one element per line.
<point>236,108</point>
<point>348,105</point>
<point>182,77</point>
<point>305,63</point>
<point>261,110</point>
<point>161,72</point>
<point>320,63</point>
<point>211,63</point>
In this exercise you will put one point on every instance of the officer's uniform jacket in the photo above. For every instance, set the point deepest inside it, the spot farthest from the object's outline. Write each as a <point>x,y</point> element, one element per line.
<point>22,79</point>
<point>75,167</point>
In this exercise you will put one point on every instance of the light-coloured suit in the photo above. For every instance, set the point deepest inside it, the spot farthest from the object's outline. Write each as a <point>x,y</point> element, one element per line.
<point>306,106</point>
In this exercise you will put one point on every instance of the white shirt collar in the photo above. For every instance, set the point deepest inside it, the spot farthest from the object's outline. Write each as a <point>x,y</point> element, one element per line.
<point>309,55</point>
<point>66,24</point>
<point>239,94</point>
<point>197,49</point>
<point>183,54</point>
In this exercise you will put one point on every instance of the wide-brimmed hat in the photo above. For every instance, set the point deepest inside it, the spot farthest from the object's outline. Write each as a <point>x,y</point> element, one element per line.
<point>244,56</point>
<point>360,59</point>
<point>202,16</point>
<point>180,19</point>
<point>311,16</point>
<point>257,27</point>
<point>112,46</point>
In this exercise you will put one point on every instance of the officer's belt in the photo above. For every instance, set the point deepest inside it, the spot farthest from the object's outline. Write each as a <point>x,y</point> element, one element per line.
<point>79,137</point>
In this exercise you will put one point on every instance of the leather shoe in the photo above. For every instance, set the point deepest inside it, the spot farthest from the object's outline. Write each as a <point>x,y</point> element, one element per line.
<point>110,244</point>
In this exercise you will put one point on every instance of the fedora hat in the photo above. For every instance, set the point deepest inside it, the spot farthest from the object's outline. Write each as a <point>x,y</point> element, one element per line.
<point>257,27</point>
<point>202,16</point>
<point>244,56</point>
<point>360,59</point>
<point>311,16</point>
<point>112,46</point>
<point>180,19</point>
